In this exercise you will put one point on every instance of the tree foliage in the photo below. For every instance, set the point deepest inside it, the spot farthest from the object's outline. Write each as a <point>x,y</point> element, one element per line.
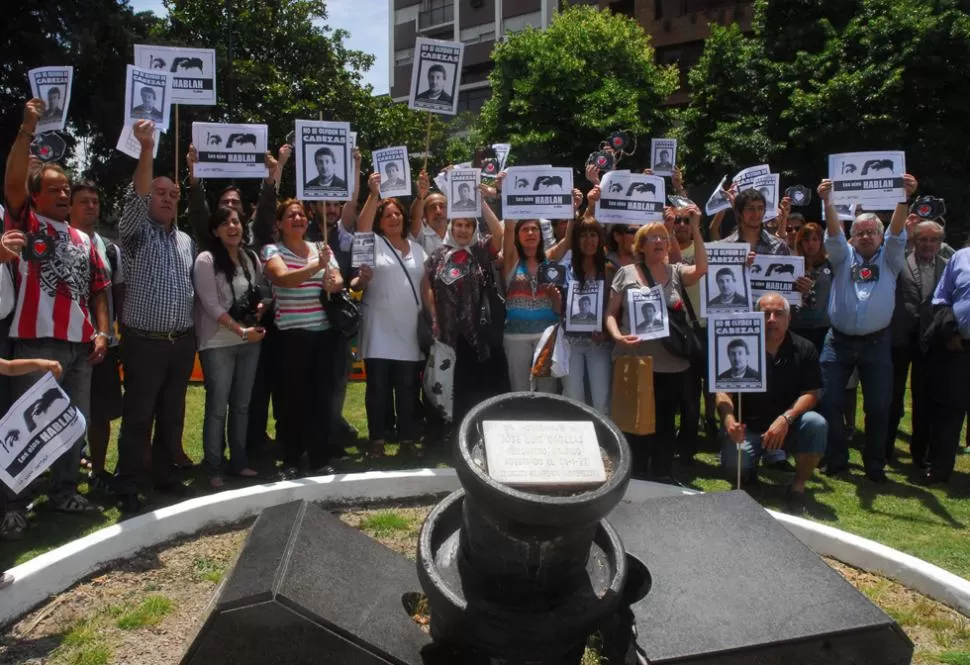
<point>557,93</point>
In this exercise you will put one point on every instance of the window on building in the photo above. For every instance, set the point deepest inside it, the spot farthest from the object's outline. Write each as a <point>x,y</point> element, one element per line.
<point>479,33</point>
<point>624,7</point>
<point>404,56</point>
<point>517,23</point>
<point>691,6</point>
<point>473,100</point>
<point>406,14</point>
<point>658,9</point>
<point>436,12</point>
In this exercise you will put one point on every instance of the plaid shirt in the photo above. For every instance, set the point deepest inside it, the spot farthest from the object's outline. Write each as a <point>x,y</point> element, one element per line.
<point>767,243</point>
<point>158,270</point>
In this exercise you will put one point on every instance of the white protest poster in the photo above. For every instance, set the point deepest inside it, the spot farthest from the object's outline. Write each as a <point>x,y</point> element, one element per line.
<point>40,427</point>
<point>745,178</point>
<point>128,144</point>
<point>148,96</point>
<point>768,186</point>
<point>845,211</point>
<point>534,192</point>
<point>323,160</point>
<point>441,181</point>
<point>395,170</point>
<point>502,151</point>
<point>230,151</point>
<point>647,313</point>
<point>630,198</point>
<point>873,179</point>
<point>663,156</point>
<point>725,289</point>
<point>193,71</point>
<point>718,200</point>
<point>585,312</point>
<point>53,86</point>
<point>736,353</point>
<point>776,273</point>
<point>464,199</point>
<point>363,250</point>
<point>435,76</point>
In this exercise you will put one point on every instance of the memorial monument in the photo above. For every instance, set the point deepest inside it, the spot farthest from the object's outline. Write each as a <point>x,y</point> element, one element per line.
<point>532,556</point>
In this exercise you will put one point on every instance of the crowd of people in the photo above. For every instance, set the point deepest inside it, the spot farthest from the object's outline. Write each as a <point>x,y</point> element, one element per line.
<point>250,294</point>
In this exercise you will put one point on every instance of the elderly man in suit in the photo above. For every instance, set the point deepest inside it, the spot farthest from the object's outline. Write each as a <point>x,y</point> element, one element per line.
<point>913,313</point>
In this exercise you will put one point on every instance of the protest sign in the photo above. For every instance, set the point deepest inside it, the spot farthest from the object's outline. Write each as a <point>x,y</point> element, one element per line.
<point>40,427</point>
<point>744,179</point>
<point>630,198</point>
<point>873,179</point>
<point>548,234</point>
<point>128,144</point>
<point>718,200</point>
<point>435,75</point>
<point>229,151</point>
<point>533,192</point>
<point>53,86</point>
<point>193,71</point>
<point>736,353</point>
<point>776,273</point>
<point>363,250</point>
<point>585,311</point>
<point>845,211</point>
<point>647,313</point>
<point>663,156</point>
<point>323,160</point>
<point>768,186</point>
<point>148,96</point>
<point>502,151</point>
<point>395,170</point>
<point>464,199</point>
<point>725,288</point>
<point>441,181</point>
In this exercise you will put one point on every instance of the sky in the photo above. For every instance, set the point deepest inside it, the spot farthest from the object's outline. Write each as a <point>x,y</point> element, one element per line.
<point>365,20</point>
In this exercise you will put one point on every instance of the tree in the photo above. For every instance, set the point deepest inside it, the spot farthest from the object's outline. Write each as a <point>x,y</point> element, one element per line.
<point>557,93</point>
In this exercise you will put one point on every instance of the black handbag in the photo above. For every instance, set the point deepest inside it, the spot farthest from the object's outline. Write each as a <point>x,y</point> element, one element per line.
<point>491,320</point>
<point>425,336</point>
<point>686,339</point>
<point>342,311</point>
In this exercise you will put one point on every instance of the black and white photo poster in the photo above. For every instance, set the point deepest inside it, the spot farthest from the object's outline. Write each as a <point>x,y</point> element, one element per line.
<point>647,313</point>
<point>744,179</point>
<point>585,312</point>
<point>148,96</point>
<point>40,427</point>
<point>230,151</point>
<point>724,289</point>
<point>533,192</point>
<point>128,144</point>
<point>193,71</point>
<point>502,151</point>
<point>363,250</point>
<point>718,200</point>
<point>663,156</point>
<point>736,353</point>
<point>435,76</point>
<point>53,86</point>
<point>768,186</point>
<point>873,179</point>
<point>630,198</point>
<point>395,170</point>
<point>776,274</point>
<point>323,159</point>
<point>464,199</point>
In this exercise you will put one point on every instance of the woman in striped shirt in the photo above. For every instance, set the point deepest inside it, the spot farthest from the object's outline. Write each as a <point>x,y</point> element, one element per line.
<point>299,271</point>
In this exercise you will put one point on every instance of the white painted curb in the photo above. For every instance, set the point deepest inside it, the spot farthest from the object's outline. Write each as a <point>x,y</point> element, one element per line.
<point>57,570</point>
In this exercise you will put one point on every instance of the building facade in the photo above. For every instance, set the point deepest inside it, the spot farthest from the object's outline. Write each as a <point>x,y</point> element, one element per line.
<point>678,27</point>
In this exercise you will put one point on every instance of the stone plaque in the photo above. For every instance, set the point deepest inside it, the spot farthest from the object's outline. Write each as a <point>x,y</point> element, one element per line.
<point>543,453</point>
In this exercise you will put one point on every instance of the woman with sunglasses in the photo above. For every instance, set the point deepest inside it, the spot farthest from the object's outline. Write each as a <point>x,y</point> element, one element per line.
<point>654,454</point>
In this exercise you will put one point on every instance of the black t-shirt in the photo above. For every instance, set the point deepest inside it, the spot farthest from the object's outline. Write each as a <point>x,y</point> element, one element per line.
<point>792,371</point>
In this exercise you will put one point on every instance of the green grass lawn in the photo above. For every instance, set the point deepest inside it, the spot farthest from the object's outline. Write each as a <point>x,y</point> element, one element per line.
<point>930,523</point>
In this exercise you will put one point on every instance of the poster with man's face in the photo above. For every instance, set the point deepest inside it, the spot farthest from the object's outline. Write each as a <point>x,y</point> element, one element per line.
<point>53,86</point>
<point>736,350</point>
<point>193,71</point>
<point>725,288</point>
<point>395,170</point>
<point>435,76</point>
<point>663,156</point>
<point>464,197</point>
<point>148,96</point>
<point>585,313</point>
<point>323,158</point>
<point>647,313</point>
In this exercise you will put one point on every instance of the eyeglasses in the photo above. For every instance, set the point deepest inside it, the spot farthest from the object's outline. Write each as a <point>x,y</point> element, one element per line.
<point>681,220</point>
<point>655,239</point>
<point>865,232</point>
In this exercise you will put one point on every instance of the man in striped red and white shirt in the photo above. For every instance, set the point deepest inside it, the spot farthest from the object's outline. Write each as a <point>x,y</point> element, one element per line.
<point>62,309</point>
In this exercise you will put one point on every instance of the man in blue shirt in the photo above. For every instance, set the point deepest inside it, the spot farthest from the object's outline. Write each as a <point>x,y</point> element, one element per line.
<point>948,342</point>
<point>861,307</point>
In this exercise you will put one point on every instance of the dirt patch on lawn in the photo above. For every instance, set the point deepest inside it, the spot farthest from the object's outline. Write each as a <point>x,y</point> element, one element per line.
<point>145,610</point>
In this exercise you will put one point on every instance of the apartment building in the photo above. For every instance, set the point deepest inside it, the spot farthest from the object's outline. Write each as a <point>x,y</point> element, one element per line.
<point>678,28</point>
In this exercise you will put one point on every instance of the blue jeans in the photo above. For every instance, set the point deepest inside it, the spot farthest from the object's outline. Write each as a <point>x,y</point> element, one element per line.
<point>229,374</point>
<point>872,356</point>
<point>589,359</point>
<point>806,435</point>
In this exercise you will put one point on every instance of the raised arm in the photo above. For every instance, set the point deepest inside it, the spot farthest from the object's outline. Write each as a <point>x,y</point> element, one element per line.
<point>510,255</point>
<point>265,214</point>
<point>677,180</point>
<point>674,255</point>
<point>898,221</point>
<point>348,213</point>
<point>557,251</point>
<point>417,206</point>
<point>833,225</point>
<point>492,221</point>
<point>715,226</point>
<point>365,223</point>
<point>15,177</point>
<point>591,198</point>
<point>144,133</point>
<point>784,209</point>
<point>198,207</point>
<point>689,275</point>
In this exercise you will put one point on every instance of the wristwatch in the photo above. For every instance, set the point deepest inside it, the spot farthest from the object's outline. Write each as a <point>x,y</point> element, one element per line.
<point>101,333</point>
<point>788,419</point>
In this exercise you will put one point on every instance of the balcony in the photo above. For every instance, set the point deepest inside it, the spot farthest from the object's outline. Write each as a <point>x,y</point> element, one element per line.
<point>436,17</point>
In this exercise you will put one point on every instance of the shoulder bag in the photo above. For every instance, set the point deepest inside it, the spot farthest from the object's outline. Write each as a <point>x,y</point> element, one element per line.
<point>425,337</point>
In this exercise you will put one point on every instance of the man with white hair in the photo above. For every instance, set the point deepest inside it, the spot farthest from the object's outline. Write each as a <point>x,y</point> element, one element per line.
<point>781,418</point>
<point>860,309</point>
<point>913,314</point>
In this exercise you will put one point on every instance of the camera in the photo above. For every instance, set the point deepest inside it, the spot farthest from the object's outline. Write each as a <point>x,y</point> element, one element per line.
<point>243,311</point>
<point>929,207</point>
<point>602,159</point>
